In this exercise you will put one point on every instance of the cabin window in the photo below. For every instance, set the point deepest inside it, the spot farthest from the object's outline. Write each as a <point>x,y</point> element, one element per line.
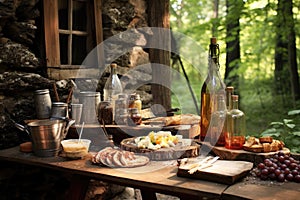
<point>72,29</point>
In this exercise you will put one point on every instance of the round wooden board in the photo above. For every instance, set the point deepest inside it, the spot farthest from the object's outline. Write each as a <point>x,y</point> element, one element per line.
<point>184,149</point>
<point>229,154</point>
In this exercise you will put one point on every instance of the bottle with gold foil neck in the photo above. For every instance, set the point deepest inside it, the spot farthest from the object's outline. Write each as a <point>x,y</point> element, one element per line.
<point>212,86</point>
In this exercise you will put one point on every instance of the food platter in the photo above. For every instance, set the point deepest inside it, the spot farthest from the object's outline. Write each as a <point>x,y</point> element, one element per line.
<point>229,154</point>
<point>185,148</point>
<point>117,158</point>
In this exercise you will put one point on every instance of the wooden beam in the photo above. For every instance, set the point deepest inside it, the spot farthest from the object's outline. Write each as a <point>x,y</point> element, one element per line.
<point>51,32</point>
<point>158,15</point>
<point>72,73</point>
<point>99,30</point>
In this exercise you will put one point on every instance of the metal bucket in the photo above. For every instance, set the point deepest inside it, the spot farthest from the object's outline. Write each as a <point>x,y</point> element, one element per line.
<point>46,135</point>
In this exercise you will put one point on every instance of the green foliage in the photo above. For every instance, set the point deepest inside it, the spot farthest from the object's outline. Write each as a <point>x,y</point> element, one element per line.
<point>258,98</point>
<point>287,130</point>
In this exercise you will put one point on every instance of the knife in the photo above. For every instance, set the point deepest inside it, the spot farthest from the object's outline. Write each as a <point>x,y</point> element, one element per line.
<point>202,165</point>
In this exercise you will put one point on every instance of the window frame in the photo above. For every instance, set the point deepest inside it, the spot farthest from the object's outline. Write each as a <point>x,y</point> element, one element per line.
<point>55,69</point>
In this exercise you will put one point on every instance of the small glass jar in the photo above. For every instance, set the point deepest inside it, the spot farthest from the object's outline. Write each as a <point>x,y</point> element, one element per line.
<point>135,102</point>
<point>135,118</point>
<point>105,113</point>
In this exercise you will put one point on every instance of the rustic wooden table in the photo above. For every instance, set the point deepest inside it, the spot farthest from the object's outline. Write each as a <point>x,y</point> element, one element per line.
<point>163,180</point>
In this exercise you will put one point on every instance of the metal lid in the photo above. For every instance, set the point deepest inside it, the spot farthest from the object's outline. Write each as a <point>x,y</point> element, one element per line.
<point>43,91</point>
<point>59,104</point>
<point>89,94</point>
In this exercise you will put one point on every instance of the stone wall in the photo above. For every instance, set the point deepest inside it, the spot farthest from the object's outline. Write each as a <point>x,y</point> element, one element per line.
<point>22,62</point>
<point>22,71</point>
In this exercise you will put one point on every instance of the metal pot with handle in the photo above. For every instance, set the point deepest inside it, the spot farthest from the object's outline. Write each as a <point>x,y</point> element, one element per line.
<point>46,135</point>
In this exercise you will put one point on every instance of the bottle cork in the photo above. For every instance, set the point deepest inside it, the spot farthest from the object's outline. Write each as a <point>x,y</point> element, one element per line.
<point>235,97</point>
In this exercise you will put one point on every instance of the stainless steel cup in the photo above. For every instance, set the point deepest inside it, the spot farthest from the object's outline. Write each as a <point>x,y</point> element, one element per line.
<point>59,110</point>
<point>76,111</point>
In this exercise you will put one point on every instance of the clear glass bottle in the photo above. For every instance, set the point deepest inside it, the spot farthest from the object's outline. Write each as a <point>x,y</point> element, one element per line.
<point>236,126</point>
<point>113,86</point>
<point>212,86</point>
<point>215,132</point>
<point>229,92</point>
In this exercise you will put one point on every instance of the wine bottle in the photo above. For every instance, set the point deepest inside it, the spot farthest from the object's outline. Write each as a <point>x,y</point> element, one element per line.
<point>236,126</point>
<point>212,86</point>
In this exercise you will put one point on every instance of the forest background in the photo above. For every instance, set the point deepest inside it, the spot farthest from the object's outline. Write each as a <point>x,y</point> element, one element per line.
<point>259,55</point>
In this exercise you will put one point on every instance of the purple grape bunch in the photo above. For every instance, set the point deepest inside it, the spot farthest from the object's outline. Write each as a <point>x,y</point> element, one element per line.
<point>280,167</point>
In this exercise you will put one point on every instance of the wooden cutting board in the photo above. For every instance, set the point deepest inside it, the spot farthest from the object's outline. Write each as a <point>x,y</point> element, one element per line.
<point>184,149</point>
<point>222,171</point>
<point>229,154</point>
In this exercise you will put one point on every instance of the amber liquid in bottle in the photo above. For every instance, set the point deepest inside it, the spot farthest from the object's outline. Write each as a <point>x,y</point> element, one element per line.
<point>205,112</point>
<point>212,86</point>
<point>236,127</point>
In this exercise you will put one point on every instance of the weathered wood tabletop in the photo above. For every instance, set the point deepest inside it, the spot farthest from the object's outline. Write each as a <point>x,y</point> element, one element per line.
<point>163,180</point>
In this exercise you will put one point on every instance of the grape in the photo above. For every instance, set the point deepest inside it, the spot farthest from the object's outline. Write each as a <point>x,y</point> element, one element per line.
<point>280,178</point>
<point>289,177</point>
<point>287,162</point>
<point>264,172</point>
<point>283,166</point>
<point>281,159</point>
<point>287,171</point>
<point>297,178</point>
<point>293,165</point>
<point>269,163</point>
<point>292,159</point>
<point>272,169</point>
<point>277,172</point>
<point>261,166</point>
<point>295,172</point>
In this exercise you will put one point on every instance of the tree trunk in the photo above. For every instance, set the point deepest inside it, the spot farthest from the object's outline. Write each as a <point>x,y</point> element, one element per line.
<point>158,14</point>
<point>285,52</point>
<point>215,20</point>
<point>234,9</point>
<point>292,51</point>
<point>282,83</point>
